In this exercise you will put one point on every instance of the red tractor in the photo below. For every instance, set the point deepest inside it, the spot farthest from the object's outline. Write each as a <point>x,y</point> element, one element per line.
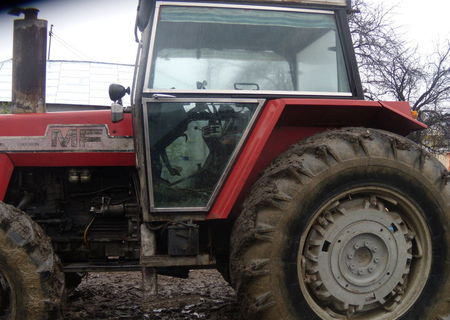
<point>247,147</point>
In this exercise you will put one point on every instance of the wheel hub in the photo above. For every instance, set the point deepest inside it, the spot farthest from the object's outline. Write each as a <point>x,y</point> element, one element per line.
<point>357,257</point>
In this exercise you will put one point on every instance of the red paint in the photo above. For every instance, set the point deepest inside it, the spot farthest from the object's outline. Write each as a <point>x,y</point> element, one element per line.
<point>392,116</point>
<point>35,124</point>
<point>246,160</point>
<point>73,159</point>
<point>286,121</point>
<point>281,123</point>
<point>6,170</point>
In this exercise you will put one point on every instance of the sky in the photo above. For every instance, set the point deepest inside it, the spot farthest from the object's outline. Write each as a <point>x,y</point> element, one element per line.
<point>94,30</point>
<point>424,23</point>
<point>103,30</point>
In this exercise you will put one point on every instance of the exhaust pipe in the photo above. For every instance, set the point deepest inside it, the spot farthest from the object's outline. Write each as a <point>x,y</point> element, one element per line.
<point>29,62</point>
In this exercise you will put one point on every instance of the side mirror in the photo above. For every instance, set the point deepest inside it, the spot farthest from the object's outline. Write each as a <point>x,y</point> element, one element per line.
<point>116,93</point>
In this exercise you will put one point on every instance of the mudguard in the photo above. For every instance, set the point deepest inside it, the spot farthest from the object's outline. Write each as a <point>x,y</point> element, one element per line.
<point>6,170</point>
<point>286,121</point>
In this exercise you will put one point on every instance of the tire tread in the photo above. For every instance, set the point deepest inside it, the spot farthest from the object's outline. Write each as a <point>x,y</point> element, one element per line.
<point>257,223</point>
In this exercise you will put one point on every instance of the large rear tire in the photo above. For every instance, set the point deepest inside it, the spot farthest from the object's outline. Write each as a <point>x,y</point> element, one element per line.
<point>31,277</point>
<point>351,223</point>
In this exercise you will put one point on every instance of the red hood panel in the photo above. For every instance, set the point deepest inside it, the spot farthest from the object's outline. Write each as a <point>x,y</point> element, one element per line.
<point>35,124</point>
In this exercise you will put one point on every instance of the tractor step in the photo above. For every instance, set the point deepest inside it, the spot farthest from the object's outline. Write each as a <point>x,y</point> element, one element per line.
<point>168,261</point>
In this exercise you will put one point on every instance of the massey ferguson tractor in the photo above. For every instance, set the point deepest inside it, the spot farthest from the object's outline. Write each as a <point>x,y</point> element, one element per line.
<point>248,148</point>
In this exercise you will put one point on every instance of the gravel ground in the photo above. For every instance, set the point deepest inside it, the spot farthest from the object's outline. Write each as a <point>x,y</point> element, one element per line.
<point>101,296</point>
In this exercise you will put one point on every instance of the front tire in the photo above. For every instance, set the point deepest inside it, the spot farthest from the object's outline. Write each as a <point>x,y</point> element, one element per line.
<point>351,223</point>
<point>31,277</point>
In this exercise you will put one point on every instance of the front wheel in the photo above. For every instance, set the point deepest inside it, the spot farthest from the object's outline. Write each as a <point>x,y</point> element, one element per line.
<point>349,224</point>
<point>31,277</point>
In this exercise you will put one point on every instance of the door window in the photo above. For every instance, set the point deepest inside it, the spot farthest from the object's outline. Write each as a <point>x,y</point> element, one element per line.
<point>191,144</point>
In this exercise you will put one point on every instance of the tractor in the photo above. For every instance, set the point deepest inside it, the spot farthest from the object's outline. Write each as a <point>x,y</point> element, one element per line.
<point>247,147</point>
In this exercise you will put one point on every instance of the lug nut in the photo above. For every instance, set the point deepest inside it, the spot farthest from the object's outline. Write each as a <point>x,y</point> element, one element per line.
<point>374,249</point>
<point>370,269</point>
<point>376,260</point>
<point>356,246</point>
<point>366,243</point>
<point>350,256</point>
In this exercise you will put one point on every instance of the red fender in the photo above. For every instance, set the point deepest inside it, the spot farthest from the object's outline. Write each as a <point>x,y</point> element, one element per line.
<point>286,121</point>
<point>6,170</point>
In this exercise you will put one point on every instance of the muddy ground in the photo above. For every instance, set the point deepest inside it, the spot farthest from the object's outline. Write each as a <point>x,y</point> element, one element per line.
<point>101,296</point>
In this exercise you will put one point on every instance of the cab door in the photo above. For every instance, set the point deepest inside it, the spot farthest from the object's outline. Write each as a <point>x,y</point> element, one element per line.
<point>190,145</point>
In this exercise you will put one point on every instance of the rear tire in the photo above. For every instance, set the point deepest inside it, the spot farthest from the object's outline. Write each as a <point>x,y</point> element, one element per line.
<point>349,223</point>
<point>31,277</point>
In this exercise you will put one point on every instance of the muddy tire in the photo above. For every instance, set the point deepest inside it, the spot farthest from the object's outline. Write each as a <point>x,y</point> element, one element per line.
<point>31,278</point>
<point>348,224</point>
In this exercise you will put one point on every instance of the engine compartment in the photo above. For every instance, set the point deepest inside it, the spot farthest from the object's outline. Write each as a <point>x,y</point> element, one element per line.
<point>91,214</point>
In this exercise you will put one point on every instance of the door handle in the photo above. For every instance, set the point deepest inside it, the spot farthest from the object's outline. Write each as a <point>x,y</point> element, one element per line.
<point>157,96</point>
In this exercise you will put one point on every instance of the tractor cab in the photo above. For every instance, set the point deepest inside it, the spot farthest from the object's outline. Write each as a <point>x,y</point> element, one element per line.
<point>205,72</point>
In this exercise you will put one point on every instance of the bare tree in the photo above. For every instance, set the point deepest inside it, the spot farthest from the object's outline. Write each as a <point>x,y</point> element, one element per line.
<point>391,69</point>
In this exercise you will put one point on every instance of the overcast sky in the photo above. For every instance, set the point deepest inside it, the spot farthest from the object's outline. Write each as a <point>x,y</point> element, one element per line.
<point>103,30</point>
<point>424,23</point>
<point>96,30</point>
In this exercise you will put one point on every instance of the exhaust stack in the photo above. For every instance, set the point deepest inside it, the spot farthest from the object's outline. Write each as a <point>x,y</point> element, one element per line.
<point>29,62</point>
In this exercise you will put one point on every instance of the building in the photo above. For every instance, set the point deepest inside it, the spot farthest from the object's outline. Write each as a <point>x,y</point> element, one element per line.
<point>75,83</point>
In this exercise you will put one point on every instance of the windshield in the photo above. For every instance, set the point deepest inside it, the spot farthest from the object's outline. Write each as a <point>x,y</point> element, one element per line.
<point>204,48</point>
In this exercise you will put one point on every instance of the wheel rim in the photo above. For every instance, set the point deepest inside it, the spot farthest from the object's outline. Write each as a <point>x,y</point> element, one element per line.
<point>366,254</point>
<point>6,298</point>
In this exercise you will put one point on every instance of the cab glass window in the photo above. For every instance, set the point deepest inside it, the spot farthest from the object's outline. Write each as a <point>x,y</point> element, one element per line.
<point>204,48</point>
<point>191,144</point>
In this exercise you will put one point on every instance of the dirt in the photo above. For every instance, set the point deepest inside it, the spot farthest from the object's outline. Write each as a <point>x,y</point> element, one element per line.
<point>101,296</point>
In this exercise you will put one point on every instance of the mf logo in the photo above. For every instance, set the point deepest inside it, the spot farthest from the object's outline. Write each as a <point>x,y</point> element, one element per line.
<point>75,137</point>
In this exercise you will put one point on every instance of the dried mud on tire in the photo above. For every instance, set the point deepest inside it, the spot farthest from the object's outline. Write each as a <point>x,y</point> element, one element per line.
<point>205,295</point>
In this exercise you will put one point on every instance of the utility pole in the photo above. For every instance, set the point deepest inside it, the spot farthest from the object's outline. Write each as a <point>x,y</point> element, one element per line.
<point>50,34</point>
